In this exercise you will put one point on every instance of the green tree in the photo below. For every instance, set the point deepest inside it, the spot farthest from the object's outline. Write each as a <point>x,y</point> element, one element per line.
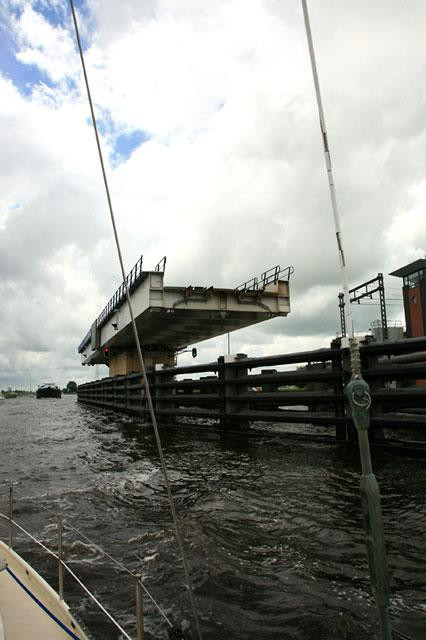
<point>72,387</point>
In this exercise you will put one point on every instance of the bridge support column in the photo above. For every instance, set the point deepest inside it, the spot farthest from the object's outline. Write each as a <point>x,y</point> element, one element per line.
<point>377,408</point>
<point>161,403</point>
<point>127,361</point>
<point>230,391</point>
<point>339,405</point>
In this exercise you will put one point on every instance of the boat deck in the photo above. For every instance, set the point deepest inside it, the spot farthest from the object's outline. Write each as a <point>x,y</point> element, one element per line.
<point>29,607</point>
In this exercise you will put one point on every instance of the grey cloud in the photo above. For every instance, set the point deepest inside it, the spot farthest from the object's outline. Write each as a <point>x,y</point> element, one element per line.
<point>264,199</point>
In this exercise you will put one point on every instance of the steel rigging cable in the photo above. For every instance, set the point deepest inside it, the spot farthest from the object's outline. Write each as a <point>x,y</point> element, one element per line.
<point>135,332</point>
<point>358,395</point>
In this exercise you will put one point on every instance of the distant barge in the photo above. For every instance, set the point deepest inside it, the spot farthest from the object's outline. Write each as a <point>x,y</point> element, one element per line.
<point>48,390</point>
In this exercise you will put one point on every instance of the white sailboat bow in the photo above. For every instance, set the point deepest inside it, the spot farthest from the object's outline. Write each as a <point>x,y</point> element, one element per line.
<point>29,607</point>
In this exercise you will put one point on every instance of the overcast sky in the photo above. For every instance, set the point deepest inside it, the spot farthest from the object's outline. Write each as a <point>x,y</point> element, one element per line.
<point>210,128</point>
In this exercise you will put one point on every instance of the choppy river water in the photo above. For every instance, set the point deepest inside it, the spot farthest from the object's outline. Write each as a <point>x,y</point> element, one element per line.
<point>273,528</point>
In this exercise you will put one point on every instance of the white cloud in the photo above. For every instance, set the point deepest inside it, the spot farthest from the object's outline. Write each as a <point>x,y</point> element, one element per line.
<point>231,180</point>
<point>406,232</point>
<point>47,47</point>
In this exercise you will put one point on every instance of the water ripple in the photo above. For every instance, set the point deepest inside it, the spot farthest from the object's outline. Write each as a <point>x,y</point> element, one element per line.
<point>273,530</point>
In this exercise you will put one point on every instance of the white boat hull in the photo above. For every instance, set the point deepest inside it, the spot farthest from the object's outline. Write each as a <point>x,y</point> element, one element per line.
<point>29,608</point>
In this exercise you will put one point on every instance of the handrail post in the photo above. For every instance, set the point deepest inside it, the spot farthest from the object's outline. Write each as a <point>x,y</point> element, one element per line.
<point>60,558</point>
<point>10,517</point>
<point>139,607</point>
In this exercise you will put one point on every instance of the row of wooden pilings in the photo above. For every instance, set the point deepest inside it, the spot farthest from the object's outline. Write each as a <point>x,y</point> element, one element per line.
<point>308,388</point>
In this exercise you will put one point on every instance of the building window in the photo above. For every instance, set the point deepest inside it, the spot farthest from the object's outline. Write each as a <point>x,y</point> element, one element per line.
<point>413,279</point>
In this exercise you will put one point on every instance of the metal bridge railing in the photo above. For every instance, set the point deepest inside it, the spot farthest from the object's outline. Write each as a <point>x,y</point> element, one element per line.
<point>85,341</point>
<point>161,265</point>
<point>118,298</point>
<point>268,277</point>
<point>132,279</point>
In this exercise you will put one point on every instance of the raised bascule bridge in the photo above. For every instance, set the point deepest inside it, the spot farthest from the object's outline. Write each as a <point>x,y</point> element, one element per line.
<point>236,391</point>
<point>170,319</point>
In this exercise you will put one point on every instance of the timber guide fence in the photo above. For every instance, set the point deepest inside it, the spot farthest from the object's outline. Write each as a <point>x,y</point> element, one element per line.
<point>308,389</point>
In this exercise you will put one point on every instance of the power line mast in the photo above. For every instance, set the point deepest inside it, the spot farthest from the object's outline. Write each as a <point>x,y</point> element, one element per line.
<point>366,290</point>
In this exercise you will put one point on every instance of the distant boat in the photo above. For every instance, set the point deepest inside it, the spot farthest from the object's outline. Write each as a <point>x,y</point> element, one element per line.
<point>48,390</point>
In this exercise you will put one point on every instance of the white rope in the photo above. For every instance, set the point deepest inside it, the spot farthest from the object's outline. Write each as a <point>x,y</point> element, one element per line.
<point>89,593</point>
<point>135,333</point>
<point>327,156</point>
<point>374,539</point>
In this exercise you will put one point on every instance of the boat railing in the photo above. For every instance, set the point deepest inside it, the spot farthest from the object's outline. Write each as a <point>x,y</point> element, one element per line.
<point>62,565</point>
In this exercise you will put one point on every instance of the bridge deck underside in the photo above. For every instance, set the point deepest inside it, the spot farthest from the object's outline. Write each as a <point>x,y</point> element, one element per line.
<point>172,318</point>
<point>176,329</point>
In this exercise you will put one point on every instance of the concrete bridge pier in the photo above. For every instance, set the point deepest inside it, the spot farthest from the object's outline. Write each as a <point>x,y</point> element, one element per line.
<point>126,361</point>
